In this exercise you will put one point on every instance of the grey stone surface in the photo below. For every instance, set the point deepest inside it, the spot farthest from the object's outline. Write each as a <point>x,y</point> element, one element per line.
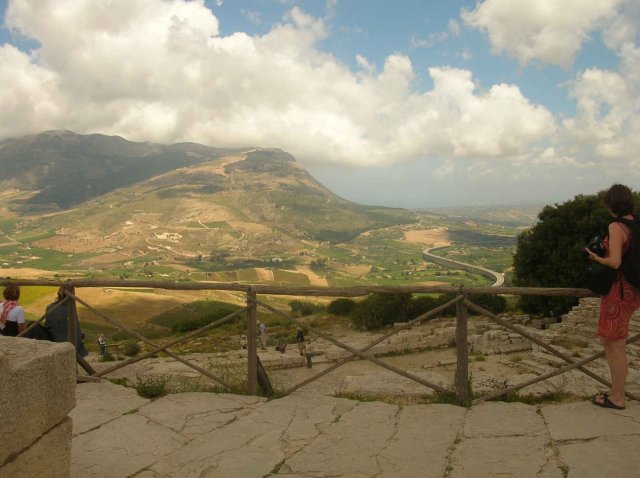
<point>254,444</point>
<point>37,391</point>
<point>197,413</point>
<point>99,403</point>
<point>122,447</point>
<point>606,456</point>
<point>315,436</point>
<point>512,456</point>
<point>584,420</point>
<point>500,419</point>
<point>386,382</point>
<point>420,445</point>
<point>347,438</point>
<point>48,457</point>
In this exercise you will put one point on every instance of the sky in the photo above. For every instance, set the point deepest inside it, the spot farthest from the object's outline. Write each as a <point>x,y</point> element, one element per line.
<point>404,103</point>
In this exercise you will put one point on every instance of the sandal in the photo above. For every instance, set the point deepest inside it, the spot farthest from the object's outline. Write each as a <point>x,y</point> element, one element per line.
<point>606,403</point>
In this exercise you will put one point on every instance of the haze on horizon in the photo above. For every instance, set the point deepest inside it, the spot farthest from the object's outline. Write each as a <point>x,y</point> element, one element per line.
<point>412,104</point>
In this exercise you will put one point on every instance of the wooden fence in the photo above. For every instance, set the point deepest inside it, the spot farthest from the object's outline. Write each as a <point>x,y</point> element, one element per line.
<point>255,373</point>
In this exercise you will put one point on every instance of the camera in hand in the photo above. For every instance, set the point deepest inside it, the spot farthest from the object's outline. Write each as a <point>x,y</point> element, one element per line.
<point>596,245</point>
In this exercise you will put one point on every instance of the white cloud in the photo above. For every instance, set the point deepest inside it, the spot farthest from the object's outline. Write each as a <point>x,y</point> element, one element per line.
<point>454,28</point>
<point>255,18</point>
<point>551,31</point>
<point>30,98</point>
<point>160,71</point>
<point>607,120</point>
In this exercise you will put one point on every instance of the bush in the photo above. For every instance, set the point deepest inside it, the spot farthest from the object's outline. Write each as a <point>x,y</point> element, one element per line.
<point>493,303</point>
<point>131,348</point>
<point>304,309</point>
<point>420,305</point>
<point>341,306</point>
<point>107,357</point>
<point>151,387</point>
<point>379,310</point>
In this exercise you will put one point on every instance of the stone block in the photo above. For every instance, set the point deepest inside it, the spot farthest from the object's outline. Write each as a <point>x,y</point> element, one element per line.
<point>49,456</point>
<point>37,390</point>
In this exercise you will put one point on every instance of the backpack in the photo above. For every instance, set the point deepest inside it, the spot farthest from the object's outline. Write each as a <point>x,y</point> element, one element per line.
<point>630,266</point>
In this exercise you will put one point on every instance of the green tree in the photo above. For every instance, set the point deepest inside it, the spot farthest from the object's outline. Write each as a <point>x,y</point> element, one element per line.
<point>378,310</point>
<point>550,253</point>
<point>341,306</point>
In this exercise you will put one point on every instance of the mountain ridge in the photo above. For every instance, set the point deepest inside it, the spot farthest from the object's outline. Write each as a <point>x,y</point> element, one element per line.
<point>144,201</point>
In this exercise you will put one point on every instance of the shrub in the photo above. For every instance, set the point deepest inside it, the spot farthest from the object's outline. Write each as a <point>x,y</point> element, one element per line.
<point>341,306</point>
<point>304,309</point>
<point>131,348</point>
<point>151,387</point>
<point>379,310</point>
<point>420,305</point>
<point>107,357</point>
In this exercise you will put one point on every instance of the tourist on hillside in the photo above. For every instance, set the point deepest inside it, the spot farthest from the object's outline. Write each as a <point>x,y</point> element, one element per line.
<point>11,314</point>
<point>243,342</point>
<point>300,340</point>
<point>57,323</point>
<point>622,300</point>
<point>308,352</point>
<point>262,329</point>
<point>102,343</point>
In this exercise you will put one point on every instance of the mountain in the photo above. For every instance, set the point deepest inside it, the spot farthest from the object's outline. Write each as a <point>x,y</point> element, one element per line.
<point>111,200</point>
<point>67,168</point>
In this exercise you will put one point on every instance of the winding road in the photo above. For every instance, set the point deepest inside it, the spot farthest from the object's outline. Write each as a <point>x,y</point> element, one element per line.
<point>497,277</point>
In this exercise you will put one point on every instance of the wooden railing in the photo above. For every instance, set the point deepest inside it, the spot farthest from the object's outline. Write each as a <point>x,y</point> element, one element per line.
<point>459,391</point>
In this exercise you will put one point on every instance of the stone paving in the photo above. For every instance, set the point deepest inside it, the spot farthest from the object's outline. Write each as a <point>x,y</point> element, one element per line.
<point>118,434</point>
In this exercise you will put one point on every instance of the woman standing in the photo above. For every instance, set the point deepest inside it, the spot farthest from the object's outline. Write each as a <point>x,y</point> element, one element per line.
<point>11,314</point>
<point>621,301</point>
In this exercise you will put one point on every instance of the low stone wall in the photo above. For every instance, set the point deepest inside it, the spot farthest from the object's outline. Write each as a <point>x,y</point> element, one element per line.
<point>37,392</point>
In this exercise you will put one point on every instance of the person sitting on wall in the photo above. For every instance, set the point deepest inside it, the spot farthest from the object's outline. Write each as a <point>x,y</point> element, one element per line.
<point>11,314</point>
<point>57,323</point>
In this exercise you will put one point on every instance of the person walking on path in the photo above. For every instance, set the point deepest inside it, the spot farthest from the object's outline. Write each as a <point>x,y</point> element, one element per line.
<point>621,301</point>
<point>11,314</point>
<point>102,343</point>
<point>308,352</point>
<point>300,340</point>
<point>263,334</point>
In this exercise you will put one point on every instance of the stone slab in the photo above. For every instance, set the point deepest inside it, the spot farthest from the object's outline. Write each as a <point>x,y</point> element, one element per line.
<point>424,434</point>
<point>99,403</point>
<point>350,446</point>
<point>606,456</point>
<point>255,444</point>
<point>197,413</point>
<point>122,447</point>
<point>48,457</point>
<point>499,419</point>
<point>384,381</point>
<point>37,384</point>
<point>509,456</point>
<point>583,420</point>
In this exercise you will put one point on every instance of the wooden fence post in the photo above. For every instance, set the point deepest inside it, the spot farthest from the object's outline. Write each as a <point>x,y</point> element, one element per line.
<point>462,364</point>
<point>252,346</point>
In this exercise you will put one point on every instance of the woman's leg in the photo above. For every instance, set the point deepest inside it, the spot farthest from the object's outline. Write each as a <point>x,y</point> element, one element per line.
<point>617,360</point>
